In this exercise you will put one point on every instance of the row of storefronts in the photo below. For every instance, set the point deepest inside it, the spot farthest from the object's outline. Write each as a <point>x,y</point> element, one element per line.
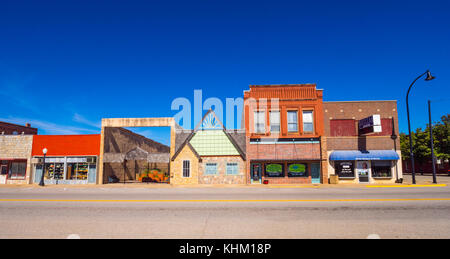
<point>289,135</point>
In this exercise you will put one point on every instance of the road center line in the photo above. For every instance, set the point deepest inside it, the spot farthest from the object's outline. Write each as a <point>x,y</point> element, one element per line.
<point>281,200</point>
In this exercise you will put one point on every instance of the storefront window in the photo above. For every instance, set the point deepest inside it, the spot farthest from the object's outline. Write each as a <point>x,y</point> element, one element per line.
<point>381,169</point>
<point>17,170</point>
<point>345,169</point>
<point>297,170</point>
<point>274,170</point>
<point>54,171</point>
<point>77,171</point>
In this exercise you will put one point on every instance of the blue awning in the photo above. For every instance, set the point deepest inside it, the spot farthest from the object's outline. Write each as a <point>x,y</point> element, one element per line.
<point>364,155</point>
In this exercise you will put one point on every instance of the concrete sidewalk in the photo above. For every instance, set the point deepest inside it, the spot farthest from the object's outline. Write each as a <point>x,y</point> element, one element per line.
<point>421,180</point>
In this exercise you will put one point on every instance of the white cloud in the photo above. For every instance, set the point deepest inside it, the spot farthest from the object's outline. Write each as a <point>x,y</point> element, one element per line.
<point>51,128</point>
<point>80,119</point>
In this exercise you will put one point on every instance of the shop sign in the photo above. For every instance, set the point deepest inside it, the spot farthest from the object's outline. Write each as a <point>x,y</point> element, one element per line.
<point>274,170</point>
<point>345,169</point>
<point>297,170</point>
<point>371,124</point>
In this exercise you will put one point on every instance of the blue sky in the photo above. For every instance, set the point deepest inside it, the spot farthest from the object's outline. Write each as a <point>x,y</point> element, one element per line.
<point>64,65</point>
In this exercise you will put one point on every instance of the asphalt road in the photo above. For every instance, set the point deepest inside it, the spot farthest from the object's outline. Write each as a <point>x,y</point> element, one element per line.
<point>33,212</point>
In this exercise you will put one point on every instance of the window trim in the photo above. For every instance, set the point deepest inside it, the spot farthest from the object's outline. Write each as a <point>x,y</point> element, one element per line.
<point>264,122</point>
<point>279,121</point>
<point>313,120</point>
<point>188,168</point>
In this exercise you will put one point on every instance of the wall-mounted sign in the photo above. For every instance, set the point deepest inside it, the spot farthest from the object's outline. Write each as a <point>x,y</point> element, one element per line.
<point>371,124</point>
<point>274,170</point>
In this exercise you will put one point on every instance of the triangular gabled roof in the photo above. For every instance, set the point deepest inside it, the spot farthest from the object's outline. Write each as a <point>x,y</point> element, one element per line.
<point>210,121</point>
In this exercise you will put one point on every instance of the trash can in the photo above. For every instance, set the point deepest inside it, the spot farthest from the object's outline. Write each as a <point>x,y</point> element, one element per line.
<point>334,179</point>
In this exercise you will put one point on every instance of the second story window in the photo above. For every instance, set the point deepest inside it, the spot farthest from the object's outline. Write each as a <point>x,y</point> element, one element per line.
<point>292,119</point>
<point>275,121</point>
<point>308,122</point>
<point>259,118</point>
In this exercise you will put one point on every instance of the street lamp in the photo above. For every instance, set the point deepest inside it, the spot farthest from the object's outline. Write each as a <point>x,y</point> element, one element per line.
<point>411,154</point>
<point>41,183</point>
<point>433,158</point>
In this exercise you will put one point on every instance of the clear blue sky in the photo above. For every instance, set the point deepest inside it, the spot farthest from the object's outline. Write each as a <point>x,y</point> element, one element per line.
<point>64,65</point>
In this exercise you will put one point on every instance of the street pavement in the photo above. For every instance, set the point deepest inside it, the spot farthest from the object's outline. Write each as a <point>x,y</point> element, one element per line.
<point>259,213</point>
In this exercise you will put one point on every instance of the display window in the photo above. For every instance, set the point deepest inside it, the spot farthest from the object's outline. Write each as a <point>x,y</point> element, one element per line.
<point>381,169</point>
<point>345,169</point>
<point>77,171</point>
<point>17,170</point>
<point>274,170</point>
<point>297,170</point>
<point>54,171</point>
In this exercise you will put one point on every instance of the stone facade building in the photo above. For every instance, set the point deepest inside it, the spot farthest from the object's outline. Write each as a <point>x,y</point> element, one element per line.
<point>15,159</point>
<point>209,154</point>
<point>358,156</point>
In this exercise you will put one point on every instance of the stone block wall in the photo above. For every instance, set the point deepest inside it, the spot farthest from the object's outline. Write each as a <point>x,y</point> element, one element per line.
<point>17,147</point>
<point>221,177</point>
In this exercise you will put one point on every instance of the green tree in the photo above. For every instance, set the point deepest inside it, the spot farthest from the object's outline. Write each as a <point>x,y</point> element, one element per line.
<point>421,142</point>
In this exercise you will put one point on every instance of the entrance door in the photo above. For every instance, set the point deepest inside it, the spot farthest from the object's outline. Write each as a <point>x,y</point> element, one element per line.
<point>362,169</point>
<point>255,173</point>
<point>38,173</point>
<point>315,173</point>
<point>3,174</point>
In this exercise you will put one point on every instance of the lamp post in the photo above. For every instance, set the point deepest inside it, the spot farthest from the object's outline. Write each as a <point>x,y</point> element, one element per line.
<point>41,183</point>
<point>411,154</point>
<point>432,142</point>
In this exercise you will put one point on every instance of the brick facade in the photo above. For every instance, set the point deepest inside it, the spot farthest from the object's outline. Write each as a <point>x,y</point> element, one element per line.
<point>300,146</point>
<point>340,117</point>
<point>14,129</point>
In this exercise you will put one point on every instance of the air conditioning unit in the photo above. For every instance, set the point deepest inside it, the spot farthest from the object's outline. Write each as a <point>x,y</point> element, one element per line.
<point>37,160</point>
<point>91,160</point>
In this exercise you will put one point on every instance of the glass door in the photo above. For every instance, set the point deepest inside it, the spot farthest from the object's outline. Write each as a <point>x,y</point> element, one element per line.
<point>362,169</point>
<point>315,173</point>
<point>255,172</point>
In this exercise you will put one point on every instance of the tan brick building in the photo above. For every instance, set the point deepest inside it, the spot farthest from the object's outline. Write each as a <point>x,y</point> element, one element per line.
<point>358,156</point>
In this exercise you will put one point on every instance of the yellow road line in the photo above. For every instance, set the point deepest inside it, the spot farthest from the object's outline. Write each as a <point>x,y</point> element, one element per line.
<point>286,200</point>
<point>315,187</point>
<point>405,186</point>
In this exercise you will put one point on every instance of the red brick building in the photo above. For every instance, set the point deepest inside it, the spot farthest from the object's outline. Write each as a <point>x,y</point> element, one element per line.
<point>356,155</point>
<point>284,129</point>
<point>14,129</point>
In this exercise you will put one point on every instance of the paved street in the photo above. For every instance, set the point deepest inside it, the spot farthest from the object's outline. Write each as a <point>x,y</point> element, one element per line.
<point>142,212</point>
